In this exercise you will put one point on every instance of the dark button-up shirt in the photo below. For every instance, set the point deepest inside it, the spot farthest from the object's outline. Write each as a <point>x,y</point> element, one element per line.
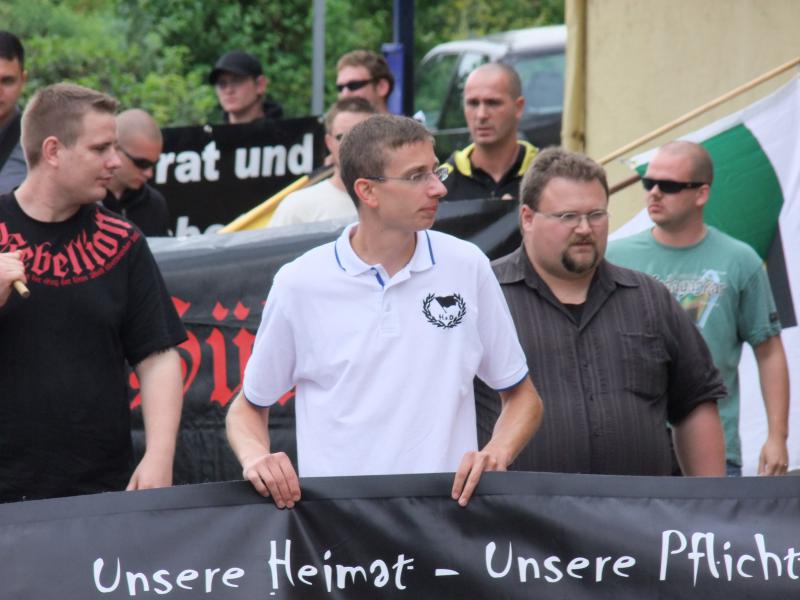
<point>609,381</point>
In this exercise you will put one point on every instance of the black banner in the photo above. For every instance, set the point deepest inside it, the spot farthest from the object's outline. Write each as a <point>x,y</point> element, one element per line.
<point>219,283</point>
<point>525,535</point>
<point>210,175</point>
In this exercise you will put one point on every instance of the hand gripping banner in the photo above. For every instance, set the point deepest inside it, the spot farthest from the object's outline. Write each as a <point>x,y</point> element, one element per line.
<point>525,535</point>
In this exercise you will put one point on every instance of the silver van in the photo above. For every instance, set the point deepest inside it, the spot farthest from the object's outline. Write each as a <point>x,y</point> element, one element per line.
<point>538,56</point>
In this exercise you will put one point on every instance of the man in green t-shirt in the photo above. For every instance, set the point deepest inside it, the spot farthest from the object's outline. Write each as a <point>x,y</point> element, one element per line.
<point>722,284</point>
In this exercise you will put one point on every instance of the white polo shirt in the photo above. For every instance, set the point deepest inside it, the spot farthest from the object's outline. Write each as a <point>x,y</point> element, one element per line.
<point>383,367</point>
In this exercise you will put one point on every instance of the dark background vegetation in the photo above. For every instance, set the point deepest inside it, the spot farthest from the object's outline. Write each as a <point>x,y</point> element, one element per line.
<point>156,54</point>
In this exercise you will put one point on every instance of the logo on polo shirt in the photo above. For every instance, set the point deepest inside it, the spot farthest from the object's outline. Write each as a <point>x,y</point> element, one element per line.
<point>444,311</point>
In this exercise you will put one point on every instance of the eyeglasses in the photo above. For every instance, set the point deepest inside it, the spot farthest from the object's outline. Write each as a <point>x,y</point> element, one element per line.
<point>667,186</point>
<point>420,178</point>
<point>139,163</point>
<point>354,85</point>
<point>573,219</point>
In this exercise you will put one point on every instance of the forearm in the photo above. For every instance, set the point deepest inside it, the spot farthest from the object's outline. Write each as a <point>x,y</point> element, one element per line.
<point>519,419</point>
<point>774,378</point>
<point>161,387</point>
<point>247,429</point>
<point>700,443</point>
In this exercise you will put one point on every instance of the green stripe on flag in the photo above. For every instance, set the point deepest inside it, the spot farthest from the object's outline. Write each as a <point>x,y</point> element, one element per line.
<point>746,196</point>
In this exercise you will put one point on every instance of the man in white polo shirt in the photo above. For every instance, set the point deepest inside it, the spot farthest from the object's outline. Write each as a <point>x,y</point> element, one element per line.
<point>382,333</point>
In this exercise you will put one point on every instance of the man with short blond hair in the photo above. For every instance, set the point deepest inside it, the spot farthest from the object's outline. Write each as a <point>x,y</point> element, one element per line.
<point>493,165</point>
<point>611,351</point>
<point>97,301</point>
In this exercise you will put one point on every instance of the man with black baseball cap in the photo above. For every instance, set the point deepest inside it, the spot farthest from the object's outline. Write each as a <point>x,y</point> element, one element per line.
<point>241,87</point>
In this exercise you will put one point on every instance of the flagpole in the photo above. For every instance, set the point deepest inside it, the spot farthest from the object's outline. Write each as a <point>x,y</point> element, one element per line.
<point>700,110</point>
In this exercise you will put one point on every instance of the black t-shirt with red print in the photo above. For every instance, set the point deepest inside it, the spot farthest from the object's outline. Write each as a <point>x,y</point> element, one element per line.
<point>97,301</point>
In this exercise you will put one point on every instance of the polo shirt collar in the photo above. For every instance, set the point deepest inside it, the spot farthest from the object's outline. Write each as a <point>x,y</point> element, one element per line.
<point>423,258</point>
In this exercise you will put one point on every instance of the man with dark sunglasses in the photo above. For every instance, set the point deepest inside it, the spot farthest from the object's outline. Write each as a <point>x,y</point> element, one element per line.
<point>139,144</point>
<point>721,282</point>
<point>612,353</point>
<point>367,75</point>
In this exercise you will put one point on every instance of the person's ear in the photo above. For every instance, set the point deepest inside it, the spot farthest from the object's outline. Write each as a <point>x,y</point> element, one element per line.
<point>382,87</point>
<point>526,214</point>
<point>365,190</point>
<point>519,106</point>
<point>51,147</point>
<point>703,194</point>
<point>261,84</point>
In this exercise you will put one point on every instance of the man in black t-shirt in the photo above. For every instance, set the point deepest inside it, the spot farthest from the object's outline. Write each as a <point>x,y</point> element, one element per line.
<point>96,302</point>
<point>139,144</point>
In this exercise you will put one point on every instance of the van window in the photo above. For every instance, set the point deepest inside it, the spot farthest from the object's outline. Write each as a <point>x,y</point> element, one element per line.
<point>453,113</point>
<point>433,84</point>
<point>542,78</point>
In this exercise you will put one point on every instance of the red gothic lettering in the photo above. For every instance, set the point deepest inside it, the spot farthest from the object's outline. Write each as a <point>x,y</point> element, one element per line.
<point>41,260</point>
<point>97,258</point>
<point>59,264</point>
<point>112,224</point>
<point>105,243</point>
<point>244,341</point>
<point>220,393</point>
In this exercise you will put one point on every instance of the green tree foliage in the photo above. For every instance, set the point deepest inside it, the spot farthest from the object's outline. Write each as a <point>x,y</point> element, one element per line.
<point>156,54</point>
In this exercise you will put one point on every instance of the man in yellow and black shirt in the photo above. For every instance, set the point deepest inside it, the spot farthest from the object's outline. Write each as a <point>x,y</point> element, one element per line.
<point>493,165</point>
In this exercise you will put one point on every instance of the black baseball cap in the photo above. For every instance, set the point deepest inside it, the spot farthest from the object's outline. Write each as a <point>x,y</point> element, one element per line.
<point>236,61</point>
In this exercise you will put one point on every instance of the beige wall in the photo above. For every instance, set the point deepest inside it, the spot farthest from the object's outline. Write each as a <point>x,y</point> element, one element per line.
<point>649,62</point>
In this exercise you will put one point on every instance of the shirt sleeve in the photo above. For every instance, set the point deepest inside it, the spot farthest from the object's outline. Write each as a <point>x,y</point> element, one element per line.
<point>270,371</point>
<point>503,364</point>
<point>151,323</point>
<point>757,315</point>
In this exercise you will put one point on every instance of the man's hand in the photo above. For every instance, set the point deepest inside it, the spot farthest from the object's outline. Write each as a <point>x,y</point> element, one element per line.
<point>470,470</point>
<point>273,475</point>
<point>154,471</point>
<point>774,457</point>
<point>11,269</point>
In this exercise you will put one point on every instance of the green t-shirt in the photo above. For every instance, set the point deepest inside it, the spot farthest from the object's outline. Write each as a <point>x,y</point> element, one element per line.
<point>721,282</point>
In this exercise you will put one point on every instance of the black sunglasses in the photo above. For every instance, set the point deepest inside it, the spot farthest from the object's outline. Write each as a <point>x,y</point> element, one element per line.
<point>139,163</point>
<point>354,85</point>
<point>668,186</point>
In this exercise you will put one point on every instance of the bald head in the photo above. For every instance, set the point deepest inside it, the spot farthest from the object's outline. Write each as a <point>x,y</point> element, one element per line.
<point>702,165</point>
<point>135,123</point>
<point>504,74</point>
<point>139,143</point>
